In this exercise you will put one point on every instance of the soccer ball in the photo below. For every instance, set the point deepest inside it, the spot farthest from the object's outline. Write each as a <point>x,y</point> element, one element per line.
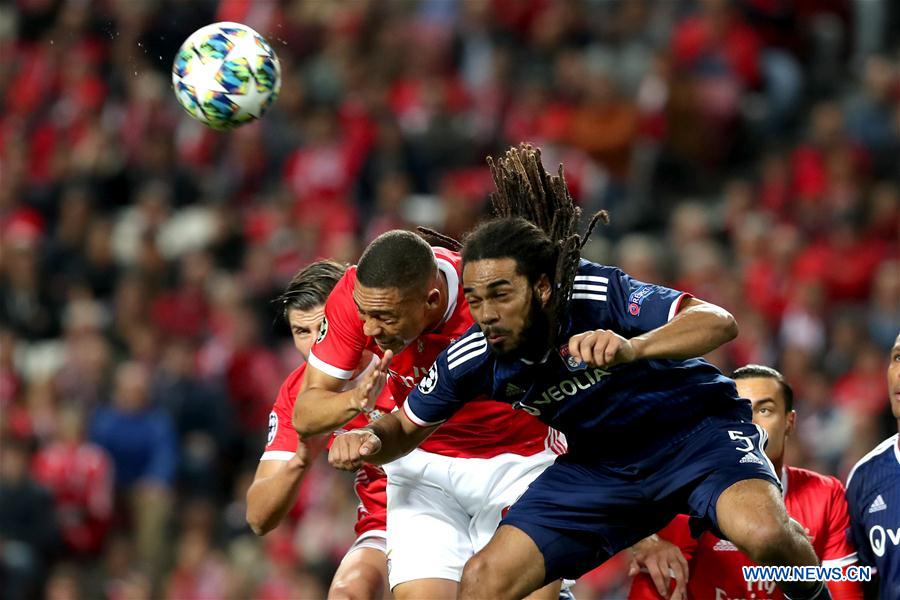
<point>225,75</point>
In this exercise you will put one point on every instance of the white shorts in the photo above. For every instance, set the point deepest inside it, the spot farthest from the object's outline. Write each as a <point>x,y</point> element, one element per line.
<point>442,510</point>
<point>374,539</point>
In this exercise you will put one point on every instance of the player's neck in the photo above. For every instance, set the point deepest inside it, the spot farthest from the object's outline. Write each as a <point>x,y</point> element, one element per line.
<point>778,463</point>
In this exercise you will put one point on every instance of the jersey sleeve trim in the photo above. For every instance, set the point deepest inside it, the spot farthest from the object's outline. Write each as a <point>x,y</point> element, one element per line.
<point>676,305</point>
<point>277,455</point>
<point>420,422</point>
<point>323,366</point>
<point>850,559</point>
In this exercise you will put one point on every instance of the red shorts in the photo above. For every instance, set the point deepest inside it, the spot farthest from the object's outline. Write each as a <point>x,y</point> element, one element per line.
<point>371,489</point>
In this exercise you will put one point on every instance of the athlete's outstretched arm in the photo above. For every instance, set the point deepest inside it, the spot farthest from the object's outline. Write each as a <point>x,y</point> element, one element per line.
<point>387,439</point>
<point>274,488</point>
<point>322,406</point>
<point>698,328</point>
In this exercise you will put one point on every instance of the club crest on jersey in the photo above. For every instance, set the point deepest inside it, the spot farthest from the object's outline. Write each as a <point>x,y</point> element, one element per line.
<point>430,380</point>
<point>323,330</point>
<point>572,363</point>
<point>273,428</point>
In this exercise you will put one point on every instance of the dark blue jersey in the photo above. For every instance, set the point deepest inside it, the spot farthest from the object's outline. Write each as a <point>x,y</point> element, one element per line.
<point>618,415</point>
<point>873,499</point>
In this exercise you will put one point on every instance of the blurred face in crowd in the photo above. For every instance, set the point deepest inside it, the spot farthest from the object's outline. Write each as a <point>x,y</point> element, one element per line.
<point>394,317</point>
<point>893,375</point>
<point>769,411</point>
<point>132,382</point>
<point>305,326</point>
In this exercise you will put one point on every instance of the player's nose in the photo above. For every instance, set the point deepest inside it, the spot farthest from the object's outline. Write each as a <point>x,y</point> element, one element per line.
<point>371,328</point>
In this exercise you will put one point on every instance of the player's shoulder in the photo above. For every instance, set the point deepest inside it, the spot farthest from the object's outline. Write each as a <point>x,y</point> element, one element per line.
<point>875,459</point>
<point>468,353</point>
<point>592,281</point>
<point>804,481</point>
<point>290,387</point>
<point>587,268</point>
<point>342,293</point>
<point>454,258</point>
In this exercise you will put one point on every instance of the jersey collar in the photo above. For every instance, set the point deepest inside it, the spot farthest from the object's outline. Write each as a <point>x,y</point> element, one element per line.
<point>452,276</point>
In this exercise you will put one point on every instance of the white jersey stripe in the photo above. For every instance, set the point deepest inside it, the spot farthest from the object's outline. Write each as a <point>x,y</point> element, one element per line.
<point>591,278</point>
<point>601,297</point>
<point>462,349</point>
<point>277,455</point>
<point>464,340</point>
<point>477,351</point>
<point>412,417</point>
<point>589,287</point>
<point>850,559</point>
<point>323,366</point>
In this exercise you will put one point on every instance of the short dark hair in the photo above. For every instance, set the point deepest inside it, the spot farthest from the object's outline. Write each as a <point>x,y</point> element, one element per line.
<point>396,259</point>
<point>761,371</point>
<point>310,287</point>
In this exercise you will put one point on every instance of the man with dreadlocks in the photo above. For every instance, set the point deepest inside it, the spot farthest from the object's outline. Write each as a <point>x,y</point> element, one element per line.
<point>611,362</point>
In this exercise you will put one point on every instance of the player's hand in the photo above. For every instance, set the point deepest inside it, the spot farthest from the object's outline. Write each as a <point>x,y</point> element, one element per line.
<point>349,449</point>
<point>601,348</point>
<point>663,561</point>
<point>366,393</point>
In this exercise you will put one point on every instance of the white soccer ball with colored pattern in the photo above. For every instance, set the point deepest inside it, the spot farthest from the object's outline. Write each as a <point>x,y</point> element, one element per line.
<point>225,75</point>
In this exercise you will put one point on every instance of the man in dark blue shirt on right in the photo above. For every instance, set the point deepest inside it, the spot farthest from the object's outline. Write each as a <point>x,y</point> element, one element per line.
<point>873,498</point>
<point>610,362</point>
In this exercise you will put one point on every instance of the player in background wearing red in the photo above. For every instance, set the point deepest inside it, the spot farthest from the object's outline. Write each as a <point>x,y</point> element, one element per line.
<point>815,501</point>
<point>363,572</point>
<point>404,302</point>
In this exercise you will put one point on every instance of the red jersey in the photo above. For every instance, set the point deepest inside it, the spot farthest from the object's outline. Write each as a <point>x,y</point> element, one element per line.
<point>481,429</point>
<point>80,478</point>
<point>281,444</point>
<point>815,501</point>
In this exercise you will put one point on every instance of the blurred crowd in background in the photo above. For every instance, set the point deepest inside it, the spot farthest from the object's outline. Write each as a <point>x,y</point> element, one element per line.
<point>748,152</point>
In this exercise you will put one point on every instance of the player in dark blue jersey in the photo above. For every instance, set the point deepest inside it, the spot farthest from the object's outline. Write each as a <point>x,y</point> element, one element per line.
<point>609,361</point>
<point>873,497</point>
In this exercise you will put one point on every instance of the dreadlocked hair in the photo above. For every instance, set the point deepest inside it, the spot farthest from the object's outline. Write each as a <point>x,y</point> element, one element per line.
<point>310,287</point>
<point>537,224</point>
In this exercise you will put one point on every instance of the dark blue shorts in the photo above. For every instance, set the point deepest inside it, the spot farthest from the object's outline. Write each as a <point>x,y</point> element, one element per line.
<point>580,514</point>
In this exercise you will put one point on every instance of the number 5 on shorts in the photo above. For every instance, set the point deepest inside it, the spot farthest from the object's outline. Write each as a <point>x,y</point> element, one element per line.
<point>737,435</point>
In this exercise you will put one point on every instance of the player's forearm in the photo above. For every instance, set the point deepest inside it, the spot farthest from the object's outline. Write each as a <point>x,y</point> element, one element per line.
<point>396,441</point>
<point>696,330</point>
<point>269,499</point>
<point>320,411</point>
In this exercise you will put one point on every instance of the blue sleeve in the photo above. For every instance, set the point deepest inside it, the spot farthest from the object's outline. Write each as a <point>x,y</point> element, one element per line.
<point>435,399</point>
<point>637,307</point>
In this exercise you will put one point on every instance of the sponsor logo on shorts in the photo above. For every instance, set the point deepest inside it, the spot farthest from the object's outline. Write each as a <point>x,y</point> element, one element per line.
<point>751,458</point>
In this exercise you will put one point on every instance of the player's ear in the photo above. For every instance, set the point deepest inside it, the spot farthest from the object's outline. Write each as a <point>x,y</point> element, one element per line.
<point>791,421</point>
<point>543,290</point>
<point>433,299</point>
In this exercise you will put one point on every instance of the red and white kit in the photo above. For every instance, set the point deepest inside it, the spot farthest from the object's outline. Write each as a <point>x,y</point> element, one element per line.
<point>370,484</point>
<point>445,498</point>
<point>815,501</point>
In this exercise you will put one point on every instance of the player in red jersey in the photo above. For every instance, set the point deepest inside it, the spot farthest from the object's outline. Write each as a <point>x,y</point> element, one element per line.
<point>404,302</point>
<point>815,501</point>
<point>363,572</point>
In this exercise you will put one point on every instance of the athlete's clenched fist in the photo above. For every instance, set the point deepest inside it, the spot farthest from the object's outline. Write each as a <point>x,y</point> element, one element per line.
<point>350,449</point>
<point>601,348</point>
